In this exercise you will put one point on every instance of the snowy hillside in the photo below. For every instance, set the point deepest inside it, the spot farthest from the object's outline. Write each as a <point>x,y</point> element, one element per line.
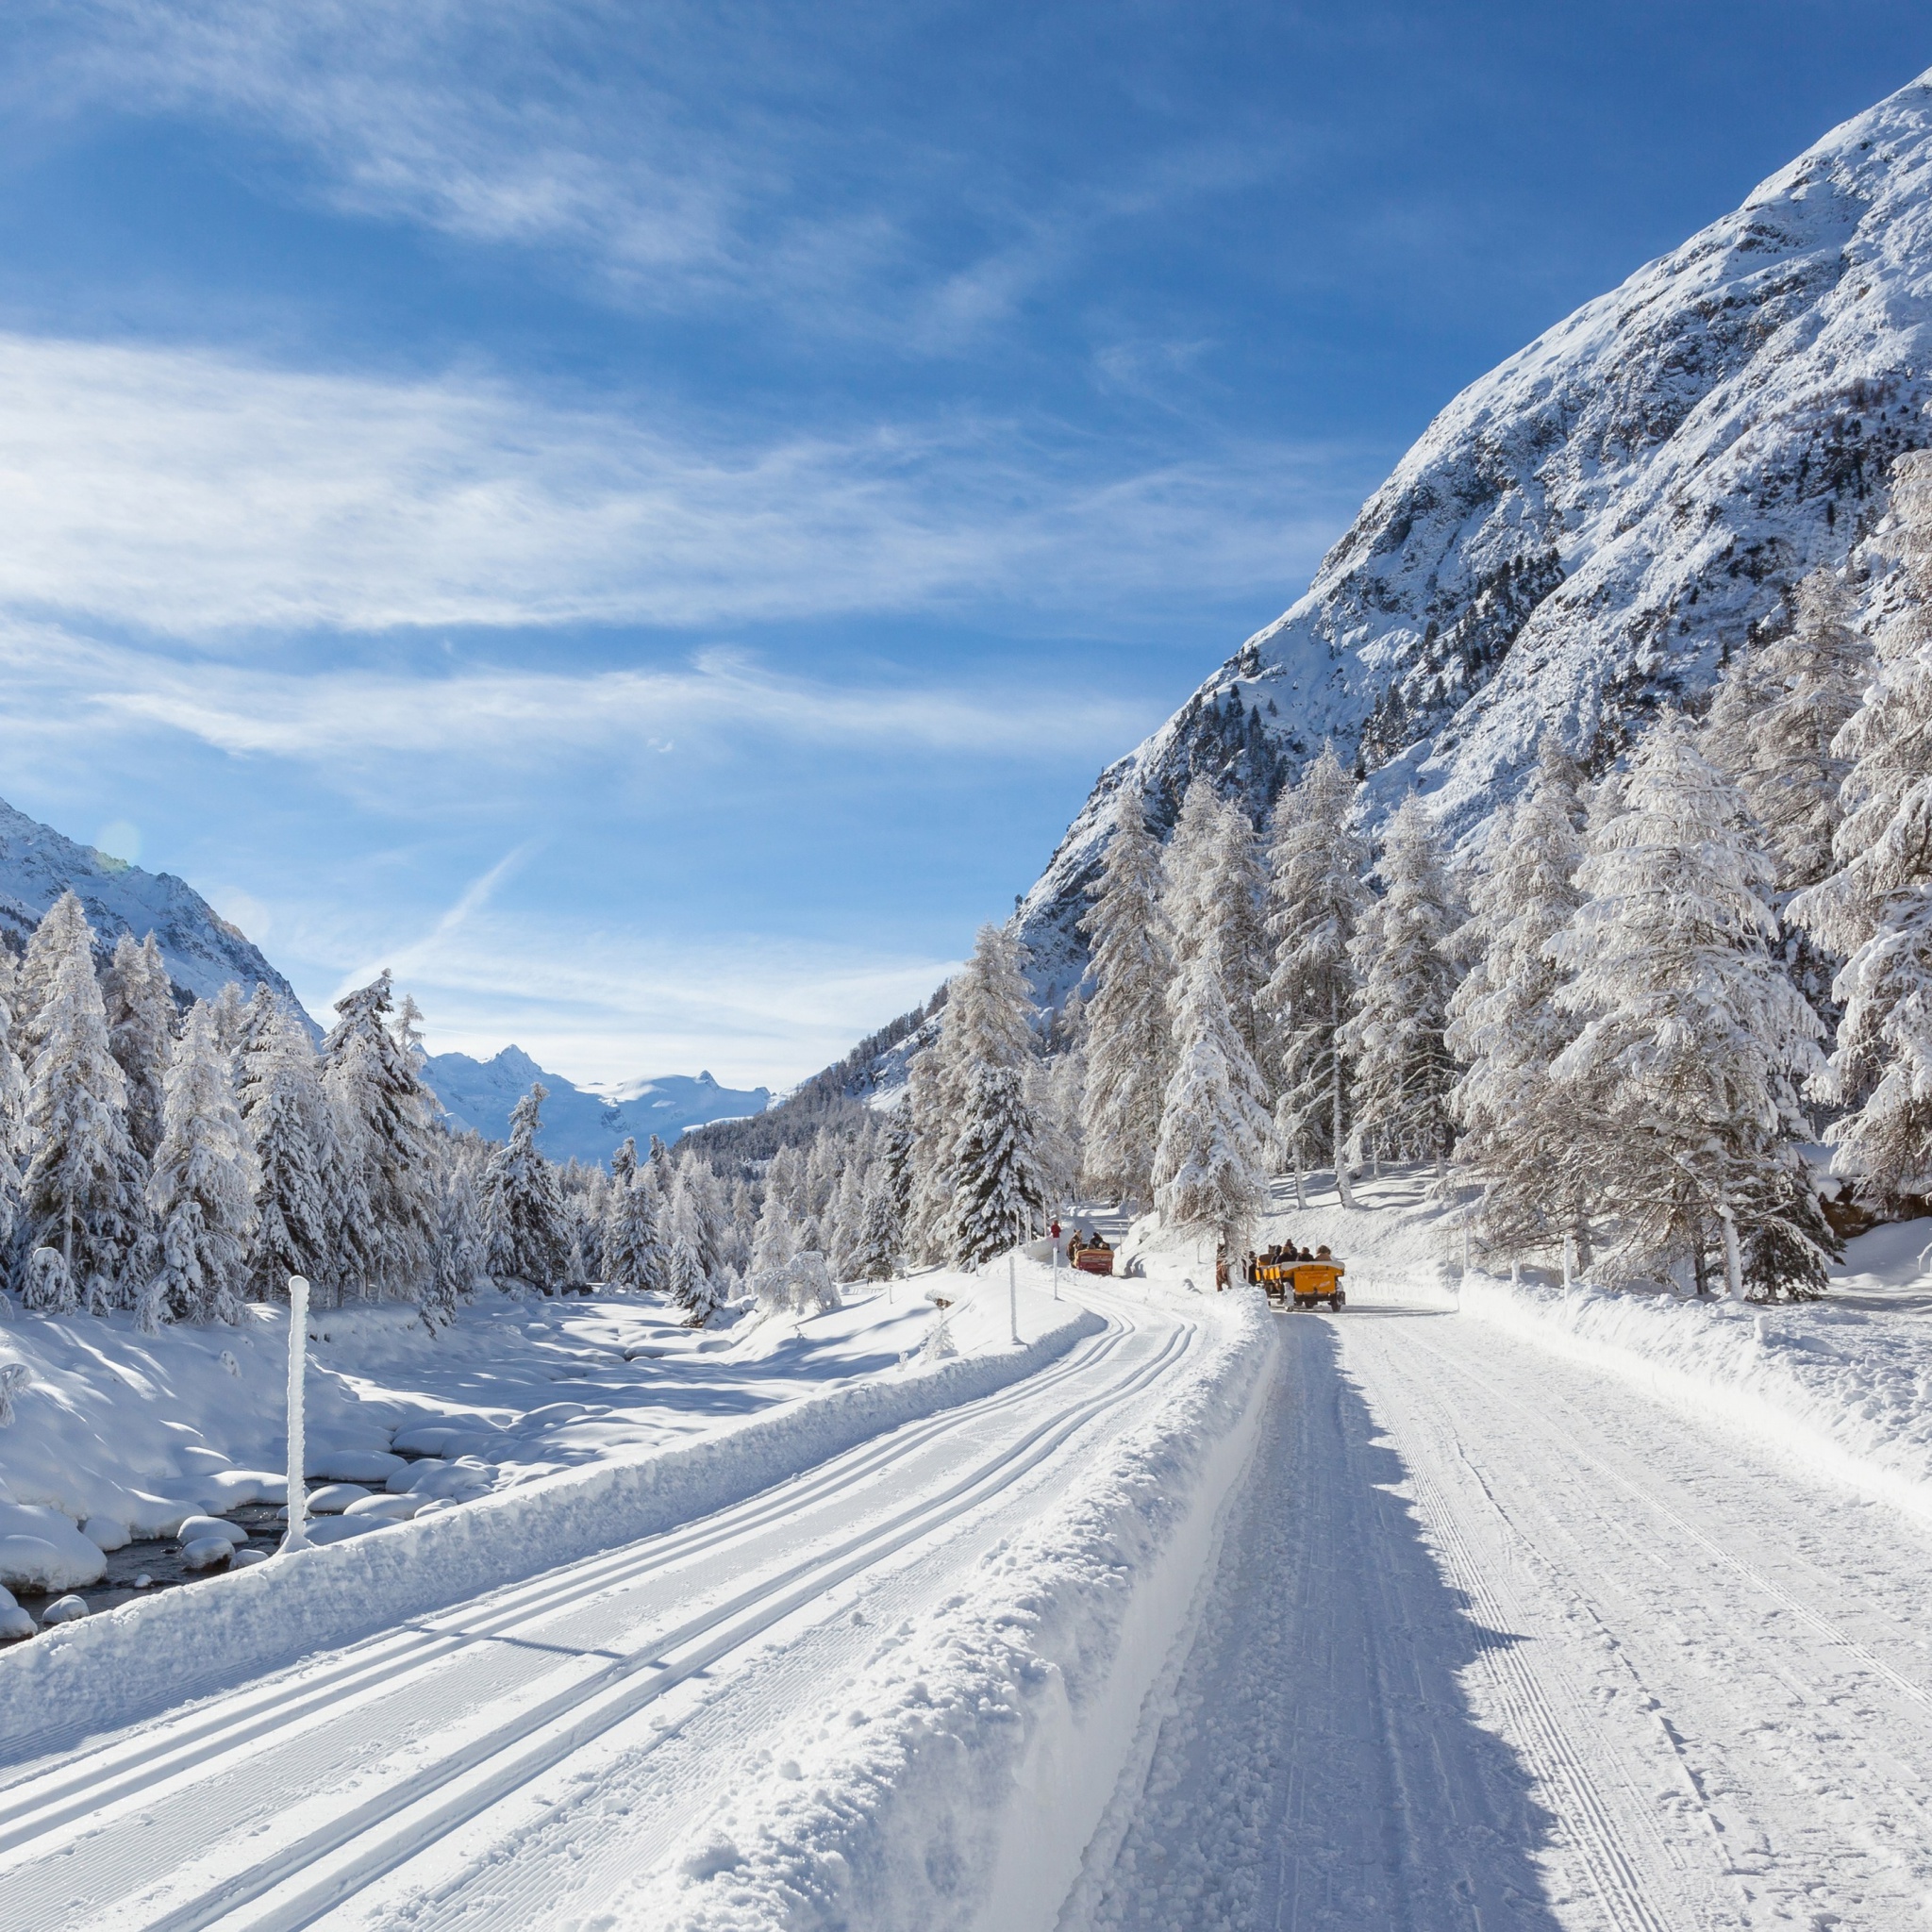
<point>1583,533</point>
<point>587,1124</point>
<point>202,950</point>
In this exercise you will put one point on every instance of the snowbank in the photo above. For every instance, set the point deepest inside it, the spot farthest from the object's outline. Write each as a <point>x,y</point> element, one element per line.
<point>144,1655</point>
<point>984,1741</point>
<point>1840,1388</point>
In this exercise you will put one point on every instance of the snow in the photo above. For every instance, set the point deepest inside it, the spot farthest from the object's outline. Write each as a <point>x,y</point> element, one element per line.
<point>589,1123</point>
<point>696,1423</point>
<point>41,1550</point>
<point>1560,1609</point>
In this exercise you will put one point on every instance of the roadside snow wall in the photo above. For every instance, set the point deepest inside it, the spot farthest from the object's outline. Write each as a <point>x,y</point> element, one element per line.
<point>144,1656</point>
<point>995,1730</point>
<point>1842,1392</point>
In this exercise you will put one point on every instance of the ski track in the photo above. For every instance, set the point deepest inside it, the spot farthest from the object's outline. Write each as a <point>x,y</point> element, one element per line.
<point>509,1762</point>
<point>1494,1642</point>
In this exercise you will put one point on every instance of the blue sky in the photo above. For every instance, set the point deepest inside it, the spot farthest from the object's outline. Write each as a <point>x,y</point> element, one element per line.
<point>648,520</point>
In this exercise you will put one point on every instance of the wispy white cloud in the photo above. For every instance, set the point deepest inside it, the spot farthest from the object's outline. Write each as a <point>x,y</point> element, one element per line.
<point>191,493</point>
<point>82,688</point>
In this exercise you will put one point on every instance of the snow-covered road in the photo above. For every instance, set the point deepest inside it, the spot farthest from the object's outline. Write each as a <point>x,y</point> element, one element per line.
<point>1495,1641</point>
<point>511,1762</point>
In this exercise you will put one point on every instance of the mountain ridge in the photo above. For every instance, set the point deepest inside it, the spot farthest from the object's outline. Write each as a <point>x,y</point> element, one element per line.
<point>1589,530</point>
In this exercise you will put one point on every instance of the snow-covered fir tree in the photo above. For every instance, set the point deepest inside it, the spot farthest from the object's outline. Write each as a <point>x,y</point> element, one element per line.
<point>461,1240</point>
<point>875,1256</point>
<point>523,1205</point>
<point>1873,911</point>
<point>291,1133</point>
<point>1773,721</point>
<point>773,1247</point>
<point>1129,1036</point>
<point>15,1146</point>
<point>998,1190</point>
<point>200,1191</point>
<point>634,1258</point>
<point>1209,1168</point>
<point>1316,897</point>
<point>386,1149</point>
<point>62,927</point>
<point>1694,1041</point>
<point>140,1002</point>
<point>1401,1070</point>
<point>83,1193</point>
<point>692,1216</point>
<point>1518,1132</point>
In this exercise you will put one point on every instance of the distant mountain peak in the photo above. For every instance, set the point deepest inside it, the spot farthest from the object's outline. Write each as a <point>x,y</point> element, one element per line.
<point>1588,531</point>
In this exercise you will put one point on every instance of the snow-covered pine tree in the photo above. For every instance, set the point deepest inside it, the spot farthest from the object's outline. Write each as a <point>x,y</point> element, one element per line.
<point>998,1192</point>
<point>229,1009</point>
<point>693,1215</point>
<point>15,1144</point>
<point>877,1255</point>
<point>1056,1093</point>
<point>62,927</point>
<point>462,1242</point>
<point>1129,1036</point>
<point>1774,720</point>
<point>773,1248</point>
<point>1316,895</point>
<point>1402,1070</point>
<point>523,1205</point>
<point>1694,1039</point>
<point>291,1129</point>
<point>1209,1170</point>
<point>85,1187</point>
<point>634,1258</point>
<point>1518,1134</point>
<point>1874,910</point>
<point>371,1074</point>
<point>1773,728</point>
<point>139,1001</point>
<point>623,1163</point>
<point>200,1191</point>
<point>689,1289</point>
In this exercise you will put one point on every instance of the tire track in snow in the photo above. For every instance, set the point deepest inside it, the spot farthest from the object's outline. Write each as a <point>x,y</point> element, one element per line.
<point>1806,1837</point>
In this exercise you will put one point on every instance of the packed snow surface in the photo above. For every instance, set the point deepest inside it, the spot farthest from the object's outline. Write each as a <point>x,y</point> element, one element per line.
<point>1473,1604</point>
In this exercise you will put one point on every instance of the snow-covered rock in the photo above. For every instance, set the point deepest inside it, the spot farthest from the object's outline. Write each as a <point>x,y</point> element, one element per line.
<point>197,1528</point>
<point>1584,533</point>
<point>203,952</point>
<point>333,1498</point>
<point>206,1552</point>
<point>40,1549</point>
<point>64,1609</point>
<point>106,1533</point>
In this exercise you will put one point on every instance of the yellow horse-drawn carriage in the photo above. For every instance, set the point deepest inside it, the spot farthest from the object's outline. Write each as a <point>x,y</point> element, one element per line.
<point>1292,1283</point>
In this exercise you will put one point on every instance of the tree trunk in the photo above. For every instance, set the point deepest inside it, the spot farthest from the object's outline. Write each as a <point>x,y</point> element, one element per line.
<point>1342,1186</point>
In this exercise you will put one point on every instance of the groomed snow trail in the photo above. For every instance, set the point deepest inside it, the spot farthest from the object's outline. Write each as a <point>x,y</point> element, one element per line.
<point>508,1764</point>
<point>1497,1642</point>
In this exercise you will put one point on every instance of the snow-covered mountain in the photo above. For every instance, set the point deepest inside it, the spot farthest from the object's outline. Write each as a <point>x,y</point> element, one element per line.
<point>1585,532</point>
<point>584,1122</point>
<point>202,950</point>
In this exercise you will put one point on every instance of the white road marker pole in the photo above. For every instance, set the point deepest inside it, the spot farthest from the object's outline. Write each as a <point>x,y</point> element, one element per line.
<point>1012,1299</point>
<point>1055,1268</point>
<point>298,1362</point>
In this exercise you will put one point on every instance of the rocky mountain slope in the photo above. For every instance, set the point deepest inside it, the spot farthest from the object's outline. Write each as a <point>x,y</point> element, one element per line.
<point>202,950</point>
<point>1587,532</point>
